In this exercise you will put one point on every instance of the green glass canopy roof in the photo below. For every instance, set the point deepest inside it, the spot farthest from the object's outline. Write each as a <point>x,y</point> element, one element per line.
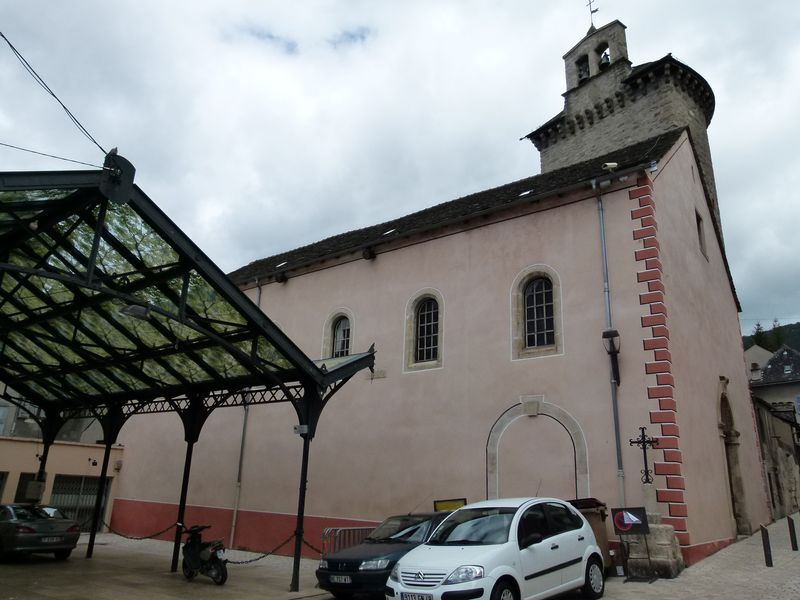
<point>104,301</point>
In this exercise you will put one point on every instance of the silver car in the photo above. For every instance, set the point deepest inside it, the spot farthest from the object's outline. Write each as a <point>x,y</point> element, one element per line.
<point>26,528</point>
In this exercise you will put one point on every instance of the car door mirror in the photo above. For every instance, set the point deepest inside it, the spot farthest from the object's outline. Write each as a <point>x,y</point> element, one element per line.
<point>530,540</point>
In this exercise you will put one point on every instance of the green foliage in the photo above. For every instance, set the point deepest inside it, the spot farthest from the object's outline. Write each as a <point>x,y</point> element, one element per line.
<point>777,336</point>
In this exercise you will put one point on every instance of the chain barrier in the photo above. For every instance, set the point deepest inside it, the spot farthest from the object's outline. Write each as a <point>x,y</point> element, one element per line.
<point>317,550</point>
<point>265,555</point>
<point>229,561</point>
<point>133,537</point>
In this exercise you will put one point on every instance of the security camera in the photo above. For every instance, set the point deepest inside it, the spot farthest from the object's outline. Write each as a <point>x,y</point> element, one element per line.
<point>610,166</point>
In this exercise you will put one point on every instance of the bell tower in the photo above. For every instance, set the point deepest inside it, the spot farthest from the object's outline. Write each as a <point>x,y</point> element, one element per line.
<point>609,104</point>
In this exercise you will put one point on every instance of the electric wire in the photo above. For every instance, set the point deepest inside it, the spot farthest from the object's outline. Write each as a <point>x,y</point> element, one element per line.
<point>32,72</point>
<point>80,162</point>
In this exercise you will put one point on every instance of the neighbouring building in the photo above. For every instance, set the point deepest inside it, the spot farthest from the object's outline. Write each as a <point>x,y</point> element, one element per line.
<point>524,334</point>
<point>756,357</point>
<point>72,475</point>
<point>776,397</point>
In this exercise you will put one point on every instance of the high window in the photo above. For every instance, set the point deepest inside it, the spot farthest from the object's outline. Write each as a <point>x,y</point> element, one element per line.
<point>337,333</point>
<point>701,233</point>
<point>423,330</point>
<point>427,328</point>
<point>539,313</point>
<point>536,318</point>
<point>341,337</point>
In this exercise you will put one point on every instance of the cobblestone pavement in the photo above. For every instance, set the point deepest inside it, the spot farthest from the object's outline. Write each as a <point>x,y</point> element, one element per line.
<point>139,570</point>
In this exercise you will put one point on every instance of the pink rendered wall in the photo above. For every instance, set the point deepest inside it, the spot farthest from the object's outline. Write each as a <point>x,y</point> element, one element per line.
<point>399,441</point>
<point>706,346</point>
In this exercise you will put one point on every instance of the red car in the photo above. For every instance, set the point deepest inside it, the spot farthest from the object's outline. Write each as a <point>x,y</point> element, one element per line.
<point>27,528</point>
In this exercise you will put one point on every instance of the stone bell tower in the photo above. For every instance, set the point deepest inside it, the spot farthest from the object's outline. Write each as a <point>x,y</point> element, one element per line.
<point>610,104</point>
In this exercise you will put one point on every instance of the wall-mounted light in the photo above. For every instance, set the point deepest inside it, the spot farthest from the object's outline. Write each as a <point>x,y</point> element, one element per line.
<point>92,462</point>
<point>612,345</point>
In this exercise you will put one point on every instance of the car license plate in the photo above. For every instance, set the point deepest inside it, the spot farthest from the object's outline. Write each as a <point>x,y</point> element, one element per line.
<point>221,554</point>
<point>51,540</point>
<point>408,596</point>
<point>341,579</point>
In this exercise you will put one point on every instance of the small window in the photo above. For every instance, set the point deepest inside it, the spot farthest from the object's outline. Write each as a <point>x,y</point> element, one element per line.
<point>341,337</point>
<point>337,333</point>
<point>536,318</point>
<point>787,369</point>
<point>424,329</point>
<point>427,328</point>
<point>582,67</point>
<point>539,313</point>
<point>701,234</point>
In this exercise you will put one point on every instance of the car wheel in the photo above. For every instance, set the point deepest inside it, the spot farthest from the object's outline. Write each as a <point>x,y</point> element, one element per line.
<point>504,591</point>
<point>595,584</point>
<point>62,554</point>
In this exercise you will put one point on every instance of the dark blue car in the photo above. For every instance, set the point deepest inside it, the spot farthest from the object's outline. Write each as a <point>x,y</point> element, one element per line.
<point>363,569</point>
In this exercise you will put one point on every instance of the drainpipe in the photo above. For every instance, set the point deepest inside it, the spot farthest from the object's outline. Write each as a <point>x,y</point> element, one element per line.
<point>609,325</point>
<point>246,407</point>
<point>239,476</point>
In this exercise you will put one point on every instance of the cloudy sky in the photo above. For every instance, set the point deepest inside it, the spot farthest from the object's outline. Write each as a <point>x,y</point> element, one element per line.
<point>263,126</point>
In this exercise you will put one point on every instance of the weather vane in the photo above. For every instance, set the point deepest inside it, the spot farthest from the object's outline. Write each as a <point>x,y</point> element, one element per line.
<point>592,11</point>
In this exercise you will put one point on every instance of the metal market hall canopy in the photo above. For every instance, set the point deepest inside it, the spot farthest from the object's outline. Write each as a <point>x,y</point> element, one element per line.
<point>104,300</point>
<point>108,309</point>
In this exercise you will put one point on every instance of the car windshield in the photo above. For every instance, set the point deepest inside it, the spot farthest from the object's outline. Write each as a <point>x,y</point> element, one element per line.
<point>29,513</point>
<point>474,526</point>
<point>405,528</point>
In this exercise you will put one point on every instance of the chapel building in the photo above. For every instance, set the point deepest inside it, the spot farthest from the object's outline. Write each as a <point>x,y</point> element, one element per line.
<point>524,335</point>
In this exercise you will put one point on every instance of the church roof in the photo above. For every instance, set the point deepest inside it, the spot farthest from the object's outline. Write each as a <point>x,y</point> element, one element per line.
<point>369,239</point>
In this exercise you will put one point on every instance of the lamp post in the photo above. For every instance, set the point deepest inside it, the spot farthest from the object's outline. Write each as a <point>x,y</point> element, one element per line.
<point>612,345</point>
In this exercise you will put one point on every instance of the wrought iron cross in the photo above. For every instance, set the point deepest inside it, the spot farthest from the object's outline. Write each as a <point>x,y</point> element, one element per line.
<point>592,11</point>
<point>643,441</point>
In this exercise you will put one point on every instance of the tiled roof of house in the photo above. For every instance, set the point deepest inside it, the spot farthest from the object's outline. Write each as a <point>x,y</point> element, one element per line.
<point>480,203</point>
<point>783,367</point>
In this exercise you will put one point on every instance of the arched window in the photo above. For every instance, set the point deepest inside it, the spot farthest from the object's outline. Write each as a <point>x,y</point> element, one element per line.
<point>427,331</point>
<point>539,313</point>
<point>341,337</point>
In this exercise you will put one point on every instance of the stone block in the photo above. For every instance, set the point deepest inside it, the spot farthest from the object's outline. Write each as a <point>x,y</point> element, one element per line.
<point>665,558</point>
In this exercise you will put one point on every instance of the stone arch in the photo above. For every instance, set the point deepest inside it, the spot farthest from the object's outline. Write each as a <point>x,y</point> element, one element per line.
<point>535,406</point>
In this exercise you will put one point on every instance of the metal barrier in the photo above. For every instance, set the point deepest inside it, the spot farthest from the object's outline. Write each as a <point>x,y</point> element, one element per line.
<point>339,538</point>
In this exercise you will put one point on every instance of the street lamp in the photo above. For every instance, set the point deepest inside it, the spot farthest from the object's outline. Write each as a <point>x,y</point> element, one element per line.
<point>612,345</point>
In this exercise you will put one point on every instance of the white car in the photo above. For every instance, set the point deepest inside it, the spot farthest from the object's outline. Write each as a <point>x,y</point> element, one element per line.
<point>511,549</point>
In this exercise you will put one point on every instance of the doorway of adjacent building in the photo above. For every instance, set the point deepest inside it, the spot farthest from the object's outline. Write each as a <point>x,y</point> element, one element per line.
<point>736,484</point>
<point>74,495</point>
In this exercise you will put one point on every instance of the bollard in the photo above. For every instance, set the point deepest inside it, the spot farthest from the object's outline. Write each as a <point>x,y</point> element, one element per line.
<point>792,534</point>
<point>767,549</point>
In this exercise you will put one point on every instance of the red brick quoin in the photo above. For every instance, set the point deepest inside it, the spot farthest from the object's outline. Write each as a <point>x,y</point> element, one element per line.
<point>658,366</point>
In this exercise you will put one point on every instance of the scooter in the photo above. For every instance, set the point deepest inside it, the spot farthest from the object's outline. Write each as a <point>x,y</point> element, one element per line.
<point>207,558</point>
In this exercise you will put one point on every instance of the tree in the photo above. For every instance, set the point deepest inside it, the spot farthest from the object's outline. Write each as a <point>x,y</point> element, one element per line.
<point>759,336</point>
<point>777,334</point>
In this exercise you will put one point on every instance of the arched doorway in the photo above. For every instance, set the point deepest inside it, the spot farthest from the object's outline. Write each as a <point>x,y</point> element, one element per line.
<point>536,407</point>
<point>731,440</point>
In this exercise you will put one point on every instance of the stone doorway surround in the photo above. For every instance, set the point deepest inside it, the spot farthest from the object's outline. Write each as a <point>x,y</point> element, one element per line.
<point>730,437</point>
<point>535,406</point>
